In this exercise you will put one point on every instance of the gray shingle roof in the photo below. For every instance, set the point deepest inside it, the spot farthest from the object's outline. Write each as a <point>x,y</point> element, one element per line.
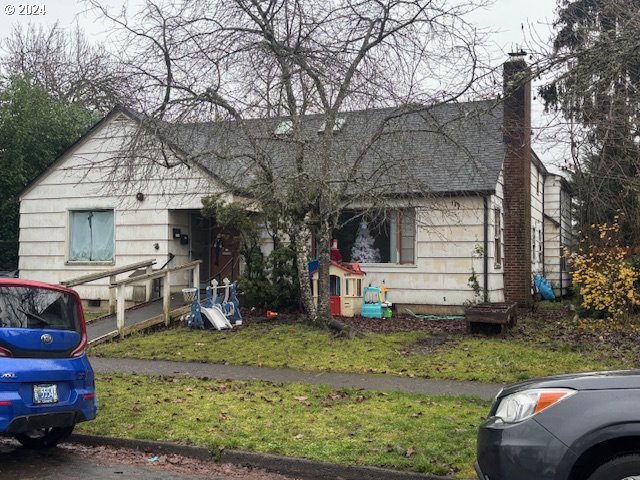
<point>443,149</point>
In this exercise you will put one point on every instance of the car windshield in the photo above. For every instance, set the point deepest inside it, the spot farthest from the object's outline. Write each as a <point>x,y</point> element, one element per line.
<point>41,308</point>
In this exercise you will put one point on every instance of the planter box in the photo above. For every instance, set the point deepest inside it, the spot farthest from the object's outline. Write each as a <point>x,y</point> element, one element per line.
<point>502,315</point>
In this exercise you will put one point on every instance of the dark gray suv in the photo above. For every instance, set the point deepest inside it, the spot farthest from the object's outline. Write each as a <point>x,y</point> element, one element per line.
<point>569,427</point>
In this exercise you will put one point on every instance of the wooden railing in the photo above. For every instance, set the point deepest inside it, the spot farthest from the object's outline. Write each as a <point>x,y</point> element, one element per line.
<point>111,273</point>
<point>117,287</point>
<point>166,290</point>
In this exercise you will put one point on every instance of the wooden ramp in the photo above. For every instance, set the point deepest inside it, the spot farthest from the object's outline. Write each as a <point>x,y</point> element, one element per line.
<point>136,318</point>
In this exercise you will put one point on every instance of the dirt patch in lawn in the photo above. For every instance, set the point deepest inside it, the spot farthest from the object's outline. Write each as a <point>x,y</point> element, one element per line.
<point>400,323</point>
<point>429,345</point>
<point>561,328</point>
<point>405,324</point>
<point>552,328</point>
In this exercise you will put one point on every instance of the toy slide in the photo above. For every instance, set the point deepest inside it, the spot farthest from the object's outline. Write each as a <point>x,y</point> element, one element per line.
<point>216,318</point>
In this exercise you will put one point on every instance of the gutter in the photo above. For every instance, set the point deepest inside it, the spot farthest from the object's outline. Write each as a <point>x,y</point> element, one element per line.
<point>485,260</point>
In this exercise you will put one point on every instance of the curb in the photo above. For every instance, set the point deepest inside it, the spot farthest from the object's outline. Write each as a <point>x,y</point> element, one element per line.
<point>307,469</point>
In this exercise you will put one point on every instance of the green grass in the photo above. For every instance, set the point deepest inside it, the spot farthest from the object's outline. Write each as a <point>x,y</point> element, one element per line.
<point>505,360</point>
<point>305,348</point>
<point>91,316</point>
<point>433,435</point>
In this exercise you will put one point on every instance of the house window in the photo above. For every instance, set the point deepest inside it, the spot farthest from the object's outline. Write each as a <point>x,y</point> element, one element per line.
<point>91,237</point>
<point>564,267</point>
<point>337,126</point>
<point>334,285</point>
<point>533,244</point>
<point>285,127</point>
<point>406,235</point>
<point>388,237</point>
<point>497,236</point>
<point>540,247</point>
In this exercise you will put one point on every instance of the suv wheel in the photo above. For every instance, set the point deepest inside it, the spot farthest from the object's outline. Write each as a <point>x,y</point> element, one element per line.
<point>626,467</point>
<point>44,437</point>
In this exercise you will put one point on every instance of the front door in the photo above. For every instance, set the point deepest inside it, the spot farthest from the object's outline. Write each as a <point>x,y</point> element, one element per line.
<point>201,239</point>
<point>225,256</point>
<point>335,299</point>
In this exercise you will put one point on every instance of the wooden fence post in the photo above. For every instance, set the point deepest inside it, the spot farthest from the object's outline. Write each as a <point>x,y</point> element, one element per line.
<point>166,298</point>
<point>112,295</point>
<point>149,284</point>
<point>120,307</point>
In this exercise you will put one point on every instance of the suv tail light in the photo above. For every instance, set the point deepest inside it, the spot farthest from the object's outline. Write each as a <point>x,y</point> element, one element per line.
<point>81,347</point>
<point>83,334</point>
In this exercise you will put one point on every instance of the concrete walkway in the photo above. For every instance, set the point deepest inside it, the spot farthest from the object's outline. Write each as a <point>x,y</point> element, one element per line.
<point>485,391</point>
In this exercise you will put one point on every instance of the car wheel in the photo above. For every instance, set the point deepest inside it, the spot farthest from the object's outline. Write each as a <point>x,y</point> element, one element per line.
<point>626,467</point>
<point>44,437</point>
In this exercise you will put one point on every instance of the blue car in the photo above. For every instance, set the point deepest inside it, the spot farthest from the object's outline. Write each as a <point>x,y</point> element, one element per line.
<point>46,382</point>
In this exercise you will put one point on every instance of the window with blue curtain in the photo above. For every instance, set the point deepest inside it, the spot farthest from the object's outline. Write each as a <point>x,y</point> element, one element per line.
<point>91,236</point>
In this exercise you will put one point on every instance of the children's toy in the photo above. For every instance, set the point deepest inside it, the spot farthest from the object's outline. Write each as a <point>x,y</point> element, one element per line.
<point>194,319</point>
<point>222,312</point>
<point>375,303</point>
<point>230,304</point>
<point>345,287</point>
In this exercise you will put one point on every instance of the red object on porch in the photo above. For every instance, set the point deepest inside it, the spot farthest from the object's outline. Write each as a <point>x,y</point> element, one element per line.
<point>334,305</point>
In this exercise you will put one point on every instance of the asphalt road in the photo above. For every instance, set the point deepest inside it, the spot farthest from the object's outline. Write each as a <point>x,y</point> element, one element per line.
<point>76,462</point>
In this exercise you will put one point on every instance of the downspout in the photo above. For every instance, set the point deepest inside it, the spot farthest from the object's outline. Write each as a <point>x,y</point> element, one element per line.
<point>485,260</point>
<point>544,243</point>
<point>560,242</point>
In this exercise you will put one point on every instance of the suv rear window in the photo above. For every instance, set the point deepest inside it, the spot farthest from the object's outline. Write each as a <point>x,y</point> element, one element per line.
<point>38,308</point>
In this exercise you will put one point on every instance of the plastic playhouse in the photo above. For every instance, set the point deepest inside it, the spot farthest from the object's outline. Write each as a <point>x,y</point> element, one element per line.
<point>345,287</point>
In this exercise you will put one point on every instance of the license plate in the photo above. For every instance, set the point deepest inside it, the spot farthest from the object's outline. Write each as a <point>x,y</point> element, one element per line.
<point>45,394</point>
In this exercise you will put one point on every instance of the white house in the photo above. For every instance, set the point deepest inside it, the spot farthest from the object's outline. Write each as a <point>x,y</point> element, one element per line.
<point>494,216</point>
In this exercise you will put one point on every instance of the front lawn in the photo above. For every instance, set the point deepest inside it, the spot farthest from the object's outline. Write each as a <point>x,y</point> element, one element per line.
<point>395,430</point>
<point>543,344</point>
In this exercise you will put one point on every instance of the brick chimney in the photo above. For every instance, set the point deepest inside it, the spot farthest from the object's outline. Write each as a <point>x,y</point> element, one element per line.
<point>517,181</point>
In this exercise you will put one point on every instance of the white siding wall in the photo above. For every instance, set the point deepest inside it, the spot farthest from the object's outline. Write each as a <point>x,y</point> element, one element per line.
<point>79,180</point>
<point>496,271</point>
<point>537,220</point>
<point>557,232</point>
<point>449,242</point>
<point>180,219</point>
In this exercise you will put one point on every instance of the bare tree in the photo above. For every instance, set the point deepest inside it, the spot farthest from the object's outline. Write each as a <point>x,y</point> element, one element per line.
<point>67,65</point>
<point>276,77</point>
<point>594,82</point>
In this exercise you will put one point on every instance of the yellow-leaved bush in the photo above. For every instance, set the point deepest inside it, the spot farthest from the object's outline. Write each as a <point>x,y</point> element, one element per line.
<point>604,280</point>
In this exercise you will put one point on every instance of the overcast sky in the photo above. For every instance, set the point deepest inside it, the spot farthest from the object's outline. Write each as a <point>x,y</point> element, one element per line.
<point>512,21</point>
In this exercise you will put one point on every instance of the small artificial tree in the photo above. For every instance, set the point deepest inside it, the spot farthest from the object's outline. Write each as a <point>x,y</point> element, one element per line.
<point>363,250</point>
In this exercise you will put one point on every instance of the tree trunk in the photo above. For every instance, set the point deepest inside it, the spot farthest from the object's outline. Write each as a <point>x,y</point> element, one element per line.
<point>301,244</point>
<point>324,259</point>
